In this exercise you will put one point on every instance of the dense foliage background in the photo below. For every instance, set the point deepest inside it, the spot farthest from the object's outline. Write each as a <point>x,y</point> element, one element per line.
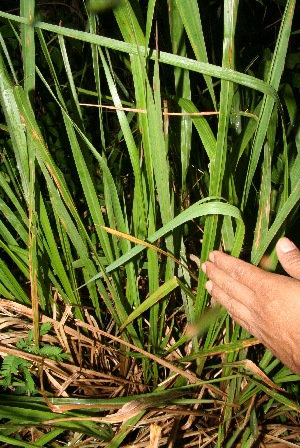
<point>135,137</point>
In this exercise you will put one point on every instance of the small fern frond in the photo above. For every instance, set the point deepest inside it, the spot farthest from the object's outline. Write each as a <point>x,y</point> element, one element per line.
<point>12,365</point>
<point>45,328</point>
<point>52,352</point>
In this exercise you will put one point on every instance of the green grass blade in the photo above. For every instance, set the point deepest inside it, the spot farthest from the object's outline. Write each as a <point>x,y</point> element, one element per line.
<point>204,130</point>
<point>198,209</point>
<point>263,217</point>
<point>57,263</point>
<point>11,284</point>
<point>217,165</point>
<point>149,22</point>
<point>14,220</point>
<point>139,208</point>
<point>159,153</point>
<point>129,23</point>
<point>15,126</point>
<point>11,441</point>
<point>27,9</point>
<point>96,67</point>
<point>274,77</point>
<point>287,207</point>
<point>166,58</point>
<point>159,294</point>
<point>182,89</point>
<point>190,16</point>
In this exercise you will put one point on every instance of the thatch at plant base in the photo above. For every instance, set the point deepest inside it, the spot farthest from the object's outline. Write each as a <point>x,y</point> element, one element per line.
<point>93,370</point>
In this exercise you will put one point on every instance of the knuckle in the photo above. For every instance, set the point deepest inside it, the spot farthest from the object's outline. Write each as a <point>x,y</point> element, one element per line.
<point>293,258</point>
<point>227,286</point>
<point>239,271</point>
<point>231,308</point>
<point>252,330</point>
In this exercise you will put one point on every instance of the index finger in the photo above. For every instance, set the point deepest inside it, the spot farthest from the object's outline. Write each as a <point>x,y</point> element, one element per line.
<point>240,270</point>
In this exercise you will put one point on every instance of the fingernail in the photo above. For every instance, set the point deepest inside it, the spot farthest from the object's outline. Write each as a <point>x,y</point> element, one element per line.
<point>203,267</point>
<point>208,286</point>
<point>285,245</point>
<point>211,257</point>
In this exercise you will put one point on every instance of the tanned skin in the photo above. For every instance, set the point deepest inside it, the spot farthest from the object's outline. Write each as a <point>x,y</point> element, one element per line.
<point>267,305</point>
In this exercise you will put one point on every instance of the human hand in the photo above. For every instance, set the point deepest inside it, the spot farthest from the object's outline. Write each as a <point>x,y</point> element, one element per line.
<point>267,305</point>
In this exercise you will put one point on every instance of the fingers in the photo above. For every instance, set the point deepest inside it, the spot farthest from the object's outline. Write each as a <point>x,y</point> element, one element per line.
<point>239,270</point>
<point>239,312</point>
<point>289,257</point>
<point>222,282</point>
<point>265,304</point>
<point>236,285</point>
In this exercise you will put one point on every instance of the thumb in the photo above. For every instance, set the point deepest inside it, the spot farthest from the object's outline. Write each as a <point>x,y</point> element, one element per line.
<point>289,257</point>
